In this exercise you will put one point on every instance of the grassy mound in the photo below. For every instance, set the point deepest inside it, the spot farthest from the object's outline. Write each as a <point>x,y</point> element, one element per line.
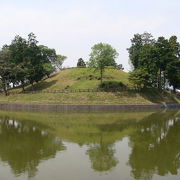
<point>80,78</point>
<point>86,78</point>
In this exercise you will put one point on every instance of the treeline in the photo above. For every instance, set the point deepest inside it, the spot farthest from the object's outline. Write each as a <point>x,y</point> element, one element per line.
<point>25,62</point>
<point>156,63</point>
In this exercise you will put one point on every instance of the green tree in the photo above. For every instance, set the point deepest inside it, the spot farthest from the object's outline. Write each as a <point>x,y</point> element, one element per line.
<point>163,55</point>
<point>35,65</point>
<point>137,42</point>
<point>173,74</point>
<point>102,55</point>
<point>81,63</point>
<point>147,62</point>
<point>173,66</point>
<point>58,61</point>
<point>140,78</point>
<point>48,69</point>
<point>6,69</point>
<point>120,67</point>
<point>48,56</point>
<point>18,48</point>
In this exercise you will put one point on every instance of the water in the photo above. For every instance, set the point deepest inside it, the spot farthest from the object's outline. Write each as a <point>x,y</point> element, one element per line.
<point>90,146</point>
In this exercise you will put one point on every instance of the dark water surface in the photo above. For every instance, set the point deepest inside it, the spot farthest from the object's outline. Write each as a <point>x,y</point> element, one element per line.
<point>90,146</point>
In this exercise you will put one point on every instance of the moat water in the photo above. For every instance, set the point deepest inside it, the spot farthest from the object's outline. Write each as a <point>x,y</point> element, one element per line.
<point>90,146</point>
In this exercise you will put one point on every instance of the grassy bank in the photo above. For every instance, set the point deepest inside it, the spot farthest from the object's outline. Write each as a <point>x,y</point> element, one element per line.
<point>90,98</point>
<point>85,78</point>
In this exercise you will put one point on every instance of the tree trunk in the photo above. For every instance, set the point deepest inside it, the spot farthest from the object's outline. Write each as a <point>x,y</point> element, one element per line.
<point>5,88</point>
<point>159,83</point>
<point>174,89</point>
<point>32,86</point>
<point>22,83</point>
<point>101,75</point>
<point>164,81</point>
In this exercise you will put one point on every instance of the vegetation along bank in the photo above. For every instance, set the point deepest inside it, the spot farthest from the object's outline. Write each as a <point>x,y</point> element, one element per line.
<point>33,74</point>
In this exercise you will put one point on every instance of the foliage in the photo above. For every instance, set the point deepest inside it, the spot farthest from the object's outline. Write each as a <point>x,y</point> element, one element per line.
<point>138,41</point>
<point>119,66</point>
<point>159,58</point>
<point>58,61</point>
<point>140,78</point>
<point>102,55</point>
<point>112,85</point>
<point>6,69</point>
<point>24,61</point>
<point>173,74</point>
<point>48,69</point>
<point>81,63</point>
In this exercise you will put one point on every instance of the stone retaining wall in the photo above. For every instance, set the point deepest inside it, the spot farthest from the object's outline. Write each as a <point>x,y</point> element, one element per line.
<point>85,108</point>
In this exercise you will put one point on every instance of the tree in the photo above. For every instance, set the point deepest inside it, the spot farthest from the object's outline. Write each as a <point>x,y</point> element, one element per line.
<point>173,74</point>
<point>24,61</point>
<point>35,61</point>
<point>58,61</point>
<point>48,56</point>
<point>18,48</point>
<point>163,55</point>
<point>6,69</point>
<point>160,60</point>
<point>48,69</point>
<point>120,67</point>
<point>81,63</point>
<point>140,78</point>
<point>147,62</point>
<point>102,55</point>
<point>173,66</point>
<point>137,42</point>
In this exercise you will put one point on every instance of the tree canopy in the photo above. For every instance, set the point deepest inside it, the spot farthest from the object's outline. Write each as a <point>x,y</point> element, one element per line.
<point>24,61</point>
<point>81,63</point>
<point>160,59</point>
<point>102,55</point>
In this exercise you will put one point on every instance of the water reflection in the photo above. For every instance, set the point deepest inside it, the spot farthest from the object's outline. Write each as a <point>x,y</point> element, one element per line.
<point>24,145</point>
<point>102,156</point>
<point>154,141</point>
<point>156,146</point>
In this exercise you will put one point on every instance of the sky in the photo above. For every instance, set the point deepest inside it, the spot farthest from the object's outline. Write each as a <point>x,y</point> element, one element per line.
<point>72,27</point>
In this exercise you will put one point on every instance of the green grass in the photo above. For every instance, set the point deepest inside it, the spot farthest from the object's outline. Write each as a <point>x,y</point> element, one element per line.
<point>79,78</point>
<point>86,78</point>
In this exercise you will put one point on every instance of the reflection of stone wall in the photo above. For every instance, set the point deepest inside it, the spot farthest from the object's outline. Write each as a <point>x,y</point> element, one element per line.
<point>84,108</point>
<point>24,145</point>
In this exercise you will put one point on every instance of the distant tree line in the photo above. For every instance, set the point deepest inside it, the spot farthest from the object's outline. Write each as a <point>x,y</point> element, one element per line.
<point>24,61</point>
<point>156,63</point>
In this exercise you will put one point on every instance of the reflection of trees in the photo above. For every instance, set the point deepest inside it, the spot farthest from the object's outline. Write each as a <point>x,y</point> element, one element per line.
<point>23,145</point>
<point>156,146</point>
<point>102,156</point>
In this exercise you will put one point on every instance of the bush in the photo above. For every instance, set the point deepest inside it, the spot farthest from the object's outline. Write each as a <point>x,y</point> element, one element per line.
<point>112,85</point>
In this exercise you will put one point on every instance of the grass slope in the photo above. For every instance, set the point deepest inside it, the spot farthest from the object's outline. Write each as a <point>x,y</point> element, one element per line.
<point>86,78</point>
<point>80,78</point>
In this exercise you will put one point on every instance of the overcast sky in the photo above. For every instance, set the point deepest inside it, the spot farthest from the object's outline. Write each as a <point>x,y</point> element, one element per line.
<point>72,27</point>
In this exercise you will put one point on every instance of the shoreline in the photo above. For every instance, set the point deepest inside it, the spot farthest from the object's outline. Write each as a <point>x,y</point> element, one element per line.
<point>86,108</point>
